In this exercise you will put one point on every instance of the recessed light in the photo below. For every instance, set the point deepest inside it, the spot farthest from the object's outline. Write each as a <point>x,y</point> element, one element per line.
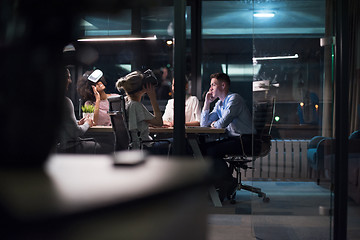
<point>264,14</point>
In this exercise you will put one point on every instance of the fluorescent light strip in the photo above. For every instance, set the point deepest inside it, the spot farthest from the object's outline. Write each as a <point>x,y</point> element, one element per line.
<point>278,57</point>
<point>108,39</point>
<point>264,14</point>
<point>241,69</point>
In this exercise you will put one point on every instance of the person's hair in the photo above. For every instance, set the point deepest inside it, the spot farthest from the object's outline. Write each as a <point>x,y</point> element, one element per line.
<point>186,80</point>
<point>65,72</point>
<point>222,77</point>
<point>84,86</point>
<point>131,83</point>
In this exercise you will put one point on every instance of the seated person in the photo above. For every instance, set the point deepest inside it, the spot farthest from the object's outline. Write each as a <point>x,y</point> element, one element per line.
<point>139,118</point>
<point>229,112</point>
<point>192,109</point>
<point>71,129</point>
<point>91,87</point>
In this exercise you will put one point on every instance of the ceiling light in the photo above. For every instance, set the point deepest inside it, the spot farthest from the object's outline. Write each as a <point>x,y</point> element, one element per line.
<point>264,14</point>
<point>272,58</point>
<point>109,39</point>
<point>169,42</point>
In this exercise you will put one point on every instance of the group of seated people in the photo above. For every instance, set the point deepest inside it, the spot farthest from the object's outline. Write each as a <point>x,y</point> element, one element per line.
<point>230,112</point>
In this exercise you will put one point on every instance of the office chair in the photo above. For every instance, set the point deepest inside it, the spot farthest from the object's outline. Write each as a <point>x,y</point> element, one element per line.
<point>119,121</point>
<point>321,147</point>
<point>316,151</point>
<point>254,146</point>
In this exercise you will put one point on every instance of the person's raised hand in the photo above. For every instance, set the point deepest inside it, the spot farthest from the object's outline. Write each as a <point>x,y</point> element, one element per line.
<point>150,91</point>
<point>209,98</point>
<point>96,93</point>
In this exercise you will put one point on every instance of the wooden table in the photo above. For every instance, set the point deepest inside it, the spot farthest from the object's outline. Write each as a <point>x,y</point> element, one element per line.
<point>190,130</point>
<point>192,134</point>
<point>101,129</point>
<point>104,135</point>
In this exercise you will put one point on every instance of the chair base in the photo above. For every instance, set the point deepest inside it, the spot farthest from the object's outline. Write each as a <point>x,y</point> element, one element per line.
<point>250,189</point>
<point>237,166</point>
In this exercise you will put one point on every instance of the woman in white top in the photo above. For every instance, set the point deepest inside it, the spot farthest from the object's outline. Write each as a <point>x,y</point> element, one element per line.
<point>192,110</point>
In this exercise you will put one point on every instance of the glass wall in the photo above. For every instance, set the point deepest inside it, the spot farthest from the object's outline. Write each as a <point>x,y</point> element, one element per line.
<point>125,41</point>
<point>280,52</point>
<point>271,51</point>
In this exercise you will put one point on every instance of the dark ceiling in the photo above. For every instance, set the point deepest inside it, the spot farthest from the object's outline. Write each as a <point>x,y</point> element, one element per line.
<point>222,19</point>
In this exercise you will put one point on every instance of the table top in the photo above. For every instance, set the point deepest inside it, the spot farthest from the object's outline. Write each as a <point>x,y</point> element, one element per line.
<point>99,128</point>
<point>69,184</point>
<point>188,130</point>
<point>165,129</point>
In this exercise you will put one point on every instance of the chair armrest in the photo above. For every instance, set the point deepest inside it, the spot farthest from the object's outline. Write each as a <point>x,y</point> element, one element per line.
<point>315,141</point>
<point>87,139</point>
<point>156,140</point>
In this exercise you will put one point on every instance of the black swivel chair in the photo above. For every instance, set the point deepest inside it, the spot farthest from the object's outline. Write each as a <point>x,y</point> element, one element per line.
<point>258,146</point>
<point>119,123</point>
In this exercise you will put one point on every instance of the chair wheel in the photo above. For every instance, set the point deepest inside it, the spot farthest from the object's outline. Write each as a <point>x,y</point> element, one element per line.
<point>266,199</point>
<point>232,196</point>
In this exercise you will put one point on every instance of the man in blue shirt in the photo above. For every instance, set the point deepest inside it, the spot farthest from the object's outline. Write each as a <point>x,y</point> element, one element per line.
<point>229,112</point>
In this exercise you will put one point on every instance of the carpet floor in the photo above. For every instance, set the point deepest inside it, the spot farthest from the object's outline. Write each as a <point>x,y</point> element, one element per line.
<point>295,211</point>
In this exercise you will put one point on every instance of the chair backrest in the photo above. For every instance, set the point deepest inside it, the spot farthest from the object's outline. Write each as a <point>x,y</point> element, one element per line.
<point>263,115</point>
<point>117,115</point>
<point>355,135</point>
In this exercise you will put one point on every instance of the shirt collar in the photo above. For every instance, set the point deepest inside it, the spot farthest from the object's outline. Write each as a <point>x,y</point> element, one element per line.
<point>223,103</point>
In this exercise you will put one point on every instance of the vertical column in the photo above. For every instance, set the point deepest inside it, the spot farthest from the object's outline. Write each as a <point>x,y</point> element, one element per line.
<point>179,76</point>
<point>341,119</point>
<point>196,39</point>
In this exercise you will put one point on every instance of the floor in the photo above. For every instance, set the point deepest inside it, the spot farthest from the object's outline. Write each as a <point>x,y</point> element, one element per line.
<point>297,210</point>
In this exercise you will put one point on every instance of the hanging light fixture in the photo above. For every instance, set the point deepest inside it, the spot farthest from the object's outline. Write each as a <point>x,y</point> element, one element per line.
<point>111,39</point>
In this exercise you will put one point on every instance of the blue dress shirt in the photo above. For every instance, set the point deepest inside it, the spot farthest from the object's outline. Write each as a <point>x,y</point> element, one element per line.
<point>232,114</point>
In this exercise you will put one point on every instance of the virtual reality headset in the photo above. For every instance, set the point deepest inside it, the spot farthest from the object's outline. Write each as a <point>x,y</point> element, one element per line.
<point>95,76</point>
<point>148,77</point>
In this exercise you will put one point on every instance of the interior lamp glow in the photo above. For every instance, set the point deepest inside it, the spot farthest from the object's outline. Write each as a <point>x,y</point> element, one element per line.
<point>109,39</point>
<point>264,14</point>
<point>275,57</point>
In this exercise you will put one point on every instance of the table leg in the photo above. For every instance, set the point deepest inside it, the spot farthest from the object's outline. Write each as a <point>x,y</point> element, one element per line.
<point>197,153</point>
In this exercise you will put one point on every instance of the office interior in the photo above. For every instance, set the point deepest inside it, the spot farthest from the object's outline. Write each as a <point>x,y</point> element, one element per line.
<point>303,56</point>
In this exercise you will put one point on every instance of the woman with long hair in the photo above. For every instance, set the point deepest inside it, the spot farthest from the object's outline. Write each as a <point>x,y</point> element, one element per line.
<point>91,87</point>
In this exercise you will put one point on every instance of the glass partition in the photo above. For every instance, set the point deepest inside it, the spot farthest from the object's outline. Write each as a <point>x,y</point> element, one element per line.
<point>123,41</point>
<point>287,52</point>
<point>271,51</point>
<point>275,52</point>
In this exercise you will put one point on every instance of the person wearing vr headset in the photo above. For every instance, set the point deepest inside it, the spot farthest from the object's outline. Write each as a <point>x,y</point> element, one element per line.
<point>136,84</point>
<point>91,87</point>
